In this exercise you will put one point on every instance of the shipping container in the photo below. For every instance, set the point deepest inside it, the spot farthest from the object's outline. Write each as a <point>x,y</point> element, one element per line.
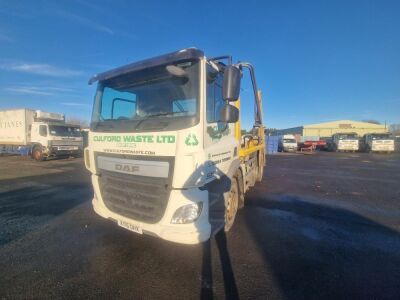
<point>272,143</point>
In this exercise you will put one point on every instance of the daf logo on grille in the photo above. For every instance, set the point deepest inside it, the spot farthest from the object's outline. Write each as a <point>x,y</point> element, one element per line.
<point>127,168</point>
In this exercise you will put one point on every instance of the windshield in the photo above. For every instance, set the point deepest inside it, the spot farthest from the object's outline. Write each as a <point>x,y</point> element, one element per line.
<point>382,137</point>
<point>289,141</point>
<point>59,130</point>
<point>347,137</point>
<point>151,99</point>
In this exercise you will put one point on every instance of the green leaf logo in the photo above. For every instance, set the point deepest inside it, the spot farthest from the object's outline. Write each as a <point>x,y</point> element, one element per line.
<point>191,140</point>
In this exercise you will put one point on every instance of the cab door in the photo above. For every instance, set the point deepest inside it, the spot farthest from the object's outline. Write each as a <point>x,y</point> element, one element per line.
<point>219,138</point>
<point>40,134</point>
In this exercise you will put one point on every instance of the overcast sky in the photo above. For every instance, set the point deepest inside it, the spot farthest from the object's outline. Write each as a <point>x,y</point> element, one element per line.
<point>315,60</point>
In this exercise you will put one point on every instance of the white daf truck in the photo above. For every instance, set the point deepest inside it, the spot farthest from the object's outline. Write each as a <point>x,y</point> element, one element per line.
<point>378,142</point>
<point>40,134</point>
<point>165,148</point>
<point>344,142</point>
<point>287,143</point>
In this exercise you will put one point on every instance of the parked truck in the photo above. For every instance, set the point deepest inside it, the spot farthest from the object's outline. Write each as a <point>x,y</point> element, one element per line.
<point>40,134</point>
<point>165,148</point>
<point>344,142</point>
<point>287,143</point>
<point>378,142</point>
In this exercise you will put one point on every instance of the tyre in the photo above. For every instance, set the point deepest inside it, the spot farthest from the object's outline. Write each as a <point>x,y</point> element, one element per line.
<point>231,204</point>
<point>260,171</point>
<point>37,154</point>
<point>77,155</point>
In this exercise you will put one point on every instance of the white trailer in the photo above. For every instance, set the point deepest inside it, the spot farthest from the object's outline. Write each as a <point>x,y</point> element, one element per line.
<point>41,134</point>
<point>14,127</point>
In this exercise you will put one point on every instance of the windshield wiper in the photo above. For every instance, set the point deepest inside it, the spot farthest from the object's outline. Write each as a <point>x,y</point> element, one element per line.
<point>157,115</point>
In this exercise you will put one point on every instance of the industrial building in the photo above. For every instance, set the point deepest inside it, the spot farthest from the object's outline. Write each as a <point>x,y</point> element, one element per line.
<point>327,129</point>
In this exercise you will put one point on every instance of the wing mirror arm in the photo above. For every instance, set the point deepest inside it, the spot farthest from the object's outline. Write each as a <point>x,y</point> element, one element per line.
<point>231,87</point>
<point>257,106</point>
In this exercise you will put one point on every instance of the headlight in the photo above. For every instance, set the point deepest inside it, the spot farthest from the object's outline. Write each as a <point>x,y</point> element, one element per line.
<point>187,214</point>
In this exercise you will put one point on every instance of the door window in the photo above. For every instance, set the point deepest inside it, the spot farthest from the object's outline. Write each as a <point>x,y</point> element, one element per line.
<point>43,130</point>
<point>215,130</point>
<point>214,95</point>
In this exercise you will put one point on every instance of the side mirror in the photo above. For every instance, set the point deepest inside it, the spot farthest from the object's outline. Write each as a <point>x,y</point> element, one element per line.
<point>231,83</point>
<point>229,114</point>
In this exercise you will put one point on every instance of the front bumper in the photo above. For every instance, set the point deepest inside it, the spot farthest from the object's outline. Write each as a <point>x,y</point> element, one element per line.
<point>60,151</point>
<point>348,147</point>
<point>192,233</point>
<point>383,148</point>
<point>290,149</point>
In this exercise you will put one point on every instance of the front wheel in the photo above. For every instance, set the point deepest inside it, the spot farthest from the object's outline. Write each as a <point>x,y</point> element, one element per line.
<point>77,155</point>
<point>231,204</point>
<point>37,154</point>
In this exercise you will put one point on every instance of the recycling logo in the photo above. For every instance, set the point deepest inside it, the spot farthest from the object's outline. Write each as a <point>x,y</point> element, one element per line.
<point>191,140</point>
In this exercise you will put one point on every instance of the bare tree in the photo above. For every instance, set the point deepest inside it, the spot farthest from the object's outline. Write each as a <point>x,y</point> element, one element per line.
<point>78,121</point>
<point>395,129</point>
<point>270,131</point>
<point>372,121</point>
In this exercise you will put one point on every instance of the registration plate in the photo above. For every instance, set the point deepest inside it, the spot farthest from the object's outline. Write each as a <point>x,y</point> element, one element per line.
<point>131,227</point>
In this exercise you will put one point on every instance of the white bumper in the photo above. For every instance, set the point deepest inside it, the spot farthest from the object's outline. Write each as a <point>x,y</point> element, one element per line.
<point>289,148</point>
<point>383,147</point>
<point>348,147</point>
<point>192,233</point>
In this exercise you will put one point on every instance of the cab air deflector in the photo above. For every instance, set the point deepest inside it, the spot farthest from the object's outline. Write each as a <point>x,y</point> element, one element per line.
<point>173,57</point>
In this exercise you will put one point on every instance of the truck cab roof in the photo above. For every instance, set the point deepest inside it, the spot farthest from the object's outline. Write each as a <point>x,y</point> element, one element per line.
<point>181,55</point>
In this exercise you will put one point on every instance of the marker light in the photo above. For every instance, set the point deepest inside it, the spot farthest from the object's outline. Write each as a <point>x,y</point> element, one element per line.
<point>187,213</point>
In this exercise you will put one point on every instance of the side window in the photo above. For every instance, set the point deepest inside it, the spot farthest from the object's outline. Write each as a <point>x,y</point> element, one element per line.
<point>43,130</point>
<point>214,95</point>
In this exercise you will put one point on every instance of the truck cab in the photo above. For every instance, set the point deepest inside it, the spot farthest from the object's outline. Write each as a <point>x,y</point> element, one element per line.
<point>287,143</point>
<point>165,150</point>
<point>379,142</point>
<point>344,142</point>
<point>51,138</point>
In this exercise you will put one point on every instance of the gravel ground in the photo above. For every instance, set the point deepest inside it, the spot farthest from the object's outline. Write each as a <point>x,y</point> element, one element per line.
<point>319,226</point>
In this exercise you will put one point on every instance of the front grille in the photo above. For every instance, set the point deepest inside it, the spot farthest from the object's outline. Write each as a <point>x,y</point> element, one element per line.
<point>65,143</point>
<point>137,197</point>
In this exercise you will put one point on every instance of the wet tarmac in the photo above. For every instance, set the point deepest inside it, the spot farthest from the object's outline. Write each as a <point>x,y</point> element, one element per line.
<point>318,226</point>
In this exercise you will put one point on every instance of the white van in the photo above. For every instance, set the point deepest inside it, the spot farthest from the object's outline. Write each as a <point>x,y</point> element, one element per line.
<point>287,143</point>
